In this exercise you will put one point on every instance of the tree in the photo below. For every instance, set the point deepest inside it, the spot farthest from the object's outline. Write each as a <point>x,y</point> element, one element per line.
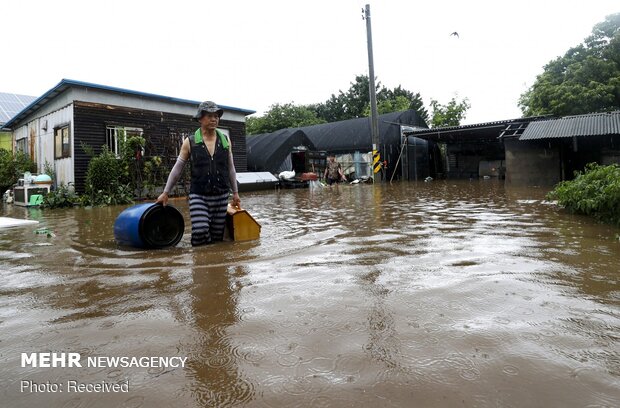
<point>281,116</point>
<point>355,102</point>
<point>398,104</point>
<point>347,105</point>
<point>449,114</point>
<point>586,79</point>
<point>414,99</point>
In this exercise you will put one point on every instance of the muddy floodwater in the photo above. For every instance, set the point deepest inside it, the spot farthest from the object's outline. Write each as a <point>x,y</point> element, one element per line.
<point>441,294</point>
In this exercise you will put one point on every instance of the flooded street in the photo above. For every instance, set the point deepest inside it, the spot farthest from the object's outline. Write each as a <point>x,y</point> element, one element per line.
<point>437,294</point>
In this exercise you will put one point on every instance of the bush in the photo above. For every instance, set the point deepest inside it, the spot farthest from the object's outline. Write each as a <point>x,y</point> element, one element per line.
<point>153,175</point>
<point>103,172</point>
<point>121,194</point>
<point>12,167</point>
<point>595,192</point>
<point>62,197</point>
<point>48,169</point>
<point>104,181</point>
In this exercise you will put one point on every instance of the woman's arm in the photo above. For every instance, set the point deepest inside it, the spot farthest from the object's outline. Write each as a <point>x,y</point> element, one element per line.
<point>175,173</point>
<point>232,175</point>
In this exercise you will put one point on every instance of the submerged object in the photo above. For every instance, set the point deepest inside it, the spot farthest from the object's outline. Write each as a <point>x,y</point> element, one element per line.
<point>241,225</point>
<point>309,176</point>
<point>149,226</point>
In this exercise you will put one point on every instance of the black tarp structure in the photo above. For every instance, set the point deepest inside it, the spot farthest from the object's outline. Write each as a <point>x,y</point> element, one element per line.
<point>267,152</point>
<point>270,151</point>
<point>354,134</point>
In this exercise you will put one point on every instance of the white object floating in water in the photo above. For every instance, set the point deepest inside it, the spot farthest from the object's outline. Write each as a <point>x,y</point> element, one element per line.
<point>287,175</point>
<point>6,222</point>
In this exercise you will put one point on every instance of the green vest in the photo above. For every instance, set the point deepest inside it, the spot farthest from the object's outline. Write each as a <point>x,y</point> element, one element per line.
<point>222,136</point>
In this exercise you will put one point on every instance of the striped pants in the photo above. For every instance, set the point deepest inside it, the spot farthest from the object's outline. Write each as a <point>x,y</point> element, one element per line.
<point>208,214</point>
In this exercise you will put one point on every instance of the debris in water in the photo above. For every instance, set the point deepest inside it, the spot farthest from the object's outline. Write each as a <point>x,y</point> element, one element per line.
<point>45,231</point>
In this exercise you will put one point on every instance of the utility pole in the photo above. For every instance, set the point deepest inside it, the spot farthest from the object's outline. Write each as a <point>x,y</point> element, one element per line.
<point>374,121</point>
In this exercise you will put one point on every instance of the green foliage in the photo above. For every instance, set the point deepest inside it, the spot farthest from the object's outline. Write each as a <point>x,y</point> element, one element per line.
<point>355,102</point>
<point>131,162</point>
<point>62,197</point>
<point>595,192</point>
<point>154,175</point>
<point>281,116</point>
<point>117,195</point>
<point>104,184</point>
<point>450,114</point>
<point>12,167</point>
<point>48,169</point>
<point>88,149</point>
<point>103,172</point>
<point>394,95</point>
<point>586,79</point>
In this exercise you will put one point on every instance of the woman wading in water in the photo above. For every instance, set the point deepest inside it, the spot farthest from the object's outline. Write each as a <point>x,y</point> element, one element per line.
<point>213,176</point>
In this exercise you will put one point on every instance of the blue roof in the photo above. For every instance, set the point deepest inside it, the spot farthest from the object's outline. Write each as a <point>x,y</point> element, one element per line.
<point>11,104</point>
<point>68,83</point>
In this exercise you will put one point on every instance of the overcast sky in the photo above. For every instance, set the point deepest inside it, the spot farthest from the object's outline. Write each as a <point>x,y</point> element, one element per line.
<point>251,54</point>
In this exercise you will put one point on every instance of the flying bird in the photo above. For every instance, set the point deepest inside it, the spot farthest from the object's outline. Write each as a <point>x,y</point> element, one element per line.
<point>455,34</point>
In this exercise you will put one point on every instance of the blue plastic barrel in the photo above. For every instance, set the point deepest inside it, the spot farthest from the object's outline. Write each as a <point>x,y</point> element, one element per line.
<point>149,226</point>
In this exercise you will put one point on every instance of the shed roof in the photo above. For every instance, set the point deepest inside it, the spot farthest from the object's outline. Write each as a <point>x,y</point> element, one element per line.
<point>477,132</point>
<point>68,83</point>
<point>354,134</point>
<point>11,104</point>
<point>593,124</point>
<point>266,152</point>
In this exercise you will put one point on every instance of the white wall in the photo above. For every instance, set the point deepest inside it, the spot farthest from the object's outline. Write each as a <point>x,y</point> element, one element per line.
<point>41,128</point>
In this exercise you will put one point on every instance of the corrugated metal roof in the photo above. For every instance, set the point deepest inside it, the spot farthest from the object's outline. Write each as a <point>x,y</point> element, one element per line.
<point>593,124</point>
<point>11,104</point>
<point>497,123</point>
<point>67,83</point>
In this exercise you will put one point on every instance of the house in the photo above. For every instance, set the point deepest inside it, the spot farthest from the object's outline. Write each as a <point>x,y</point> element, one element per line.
<point>531,151</point>
<point>10,105</point>
<point>549,151</point>
<point>60,126</point>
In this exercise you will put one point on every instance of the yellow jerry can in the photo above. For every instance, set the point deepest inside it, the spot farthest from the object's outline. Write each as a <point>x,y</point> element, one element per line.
<point>241,225</point>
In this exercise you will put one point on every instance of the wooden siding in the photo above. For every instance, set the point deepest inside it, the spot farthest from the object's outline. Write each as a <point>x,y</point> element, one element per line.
<point>161,130</point>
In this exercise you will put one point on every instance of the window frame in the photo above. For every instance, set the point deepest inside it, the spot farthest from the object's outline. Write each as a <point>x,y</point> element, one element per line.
<point>113,130</point>
<point>65,148</point>
<point>21,145</point>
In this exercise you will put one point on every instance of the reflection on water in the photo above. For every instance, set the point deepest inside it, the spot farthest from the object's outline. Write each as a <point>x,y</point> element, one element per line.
<point>429,294</point>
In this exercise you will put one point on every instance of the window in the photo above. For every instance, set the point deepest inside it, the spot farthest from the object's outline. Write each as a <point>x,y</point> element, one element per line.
<point>172,146</point>
<point>116,134</point>
<point>62,142</point>
<point>21,145</point>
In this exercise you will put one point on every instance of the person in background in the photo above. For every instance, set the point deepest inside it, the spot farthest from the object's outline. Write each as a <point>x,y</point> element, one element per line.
<point>333,170</point>
<point>213,176</point>
<point>384,165</point>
